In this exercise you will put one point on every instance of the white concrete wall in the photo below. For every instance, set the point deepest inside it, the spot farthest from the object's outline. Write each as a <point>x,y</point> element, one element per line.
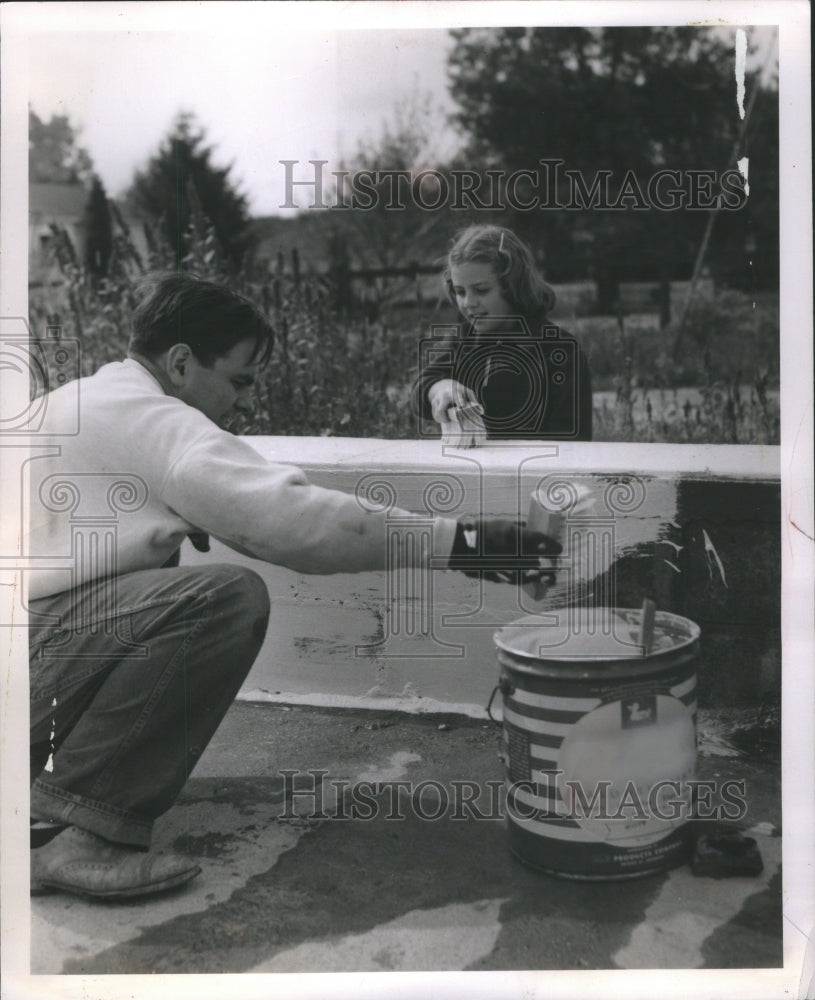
<point>346,639</point>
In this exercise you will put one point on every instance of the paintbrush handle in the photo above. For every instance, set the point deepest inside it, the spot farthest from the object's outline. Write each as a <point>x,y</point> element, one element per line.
<point>647,626</point>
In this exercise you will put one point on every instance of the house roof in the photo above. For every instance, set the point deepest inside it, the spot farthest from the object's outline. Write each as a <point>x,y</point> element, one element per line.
<point>57,200</point>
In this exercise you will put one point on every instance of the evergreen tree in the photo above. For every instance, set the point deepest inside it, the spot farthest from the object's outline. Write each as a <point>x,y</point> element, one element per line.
<point>162,191</point>
<point>98,229</point>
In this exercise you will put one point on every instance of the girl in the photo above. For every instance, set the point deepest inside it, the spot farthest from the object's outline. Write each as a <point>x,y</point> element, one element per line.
<point>510,367</point>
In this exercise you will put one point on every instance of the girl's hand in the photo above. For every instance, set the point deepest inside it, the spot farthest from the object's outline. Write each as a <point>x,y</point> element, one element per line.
<point>465,428</point>
<point>446,394</point>
<point>457,411</point>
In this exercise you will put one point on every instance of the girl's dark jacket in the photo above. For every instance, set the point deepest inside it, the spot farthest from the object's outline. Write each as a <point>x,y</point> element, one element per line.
<point>531,378</point>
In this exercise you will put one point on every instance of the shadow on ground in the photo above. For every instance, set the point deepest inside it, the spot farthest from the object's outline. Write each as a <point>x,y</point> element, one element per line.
<point>289,893</point>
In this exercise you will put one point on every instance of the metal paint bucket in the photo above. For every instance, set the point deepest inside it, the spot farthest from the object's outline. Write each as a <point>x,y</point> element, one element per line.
<point>600,740</point>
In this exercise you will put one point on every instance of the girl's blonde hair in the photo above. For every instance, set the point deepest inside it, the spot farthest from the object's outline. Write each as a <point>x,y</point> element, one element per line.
<point>513,263</point>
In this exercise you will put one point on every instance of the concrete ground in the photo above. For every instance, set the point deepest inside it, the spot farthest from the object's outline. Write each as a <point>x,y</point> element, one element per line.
<point>283,891</point>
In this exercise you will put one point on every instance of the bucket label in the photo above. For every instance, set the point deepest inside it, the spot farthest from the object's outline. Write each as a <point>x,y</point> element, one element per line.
<point>637,712</point>
<point>624,768</point>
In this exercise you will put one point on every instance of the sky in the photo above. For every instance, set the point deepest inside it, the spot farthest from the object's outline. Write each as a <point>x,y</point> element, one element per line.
<point>267,82</point>
<point>262,97</point>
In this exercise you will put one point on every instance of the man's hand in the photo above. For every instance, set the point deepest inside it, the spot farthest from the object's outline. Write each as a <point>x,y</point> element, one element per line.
<point>498,550</point>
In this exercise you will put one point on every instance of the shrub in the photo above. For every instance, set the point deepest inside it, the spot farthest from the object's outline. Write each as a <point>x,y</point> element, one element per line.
<point>712,380</point>
<point>329,373</point>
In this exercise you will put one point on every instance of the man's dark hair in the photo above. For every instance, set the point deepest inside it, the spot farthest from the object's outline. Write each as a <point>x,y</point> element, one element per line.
<point>210,318</point>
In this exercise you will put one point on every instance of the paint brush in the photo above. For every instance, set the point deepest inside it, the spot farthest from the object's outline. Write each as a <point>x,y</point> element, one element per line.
<point>647,626</point>
<point>548,523</point>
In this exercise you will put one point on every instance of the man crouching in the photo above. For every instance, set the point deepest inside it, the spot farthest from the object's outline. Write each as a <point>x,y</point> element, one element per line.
<point>134,659</point>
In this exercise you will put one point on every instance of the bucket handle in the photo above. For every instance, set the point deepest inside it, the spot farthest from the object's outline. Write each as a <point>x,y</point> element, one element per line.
<point>506,690</point>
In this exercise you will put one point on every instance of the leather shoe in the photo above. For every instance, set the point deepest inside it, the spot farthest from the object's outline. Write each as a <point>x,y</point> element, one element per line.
<point>79,862</point>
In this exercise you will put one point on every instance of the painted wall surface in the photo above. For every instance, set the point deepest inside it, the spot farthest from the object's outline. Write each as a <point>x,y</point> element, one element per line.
<point>695,529</point>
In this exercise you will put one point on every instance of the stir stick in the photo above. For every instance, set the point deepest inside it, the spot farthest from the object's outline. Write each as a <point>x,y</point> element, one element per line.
<point>647,626</point>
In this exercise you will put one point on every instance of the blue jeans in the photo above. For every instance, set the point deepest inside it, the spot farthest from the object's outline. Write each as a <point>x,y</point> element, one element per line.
<point>130,677</point>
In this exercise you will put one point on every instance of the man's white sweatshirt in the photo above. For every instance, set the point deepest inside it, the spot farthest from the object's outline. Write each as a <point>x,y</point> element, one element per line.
<point>159,469</point>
